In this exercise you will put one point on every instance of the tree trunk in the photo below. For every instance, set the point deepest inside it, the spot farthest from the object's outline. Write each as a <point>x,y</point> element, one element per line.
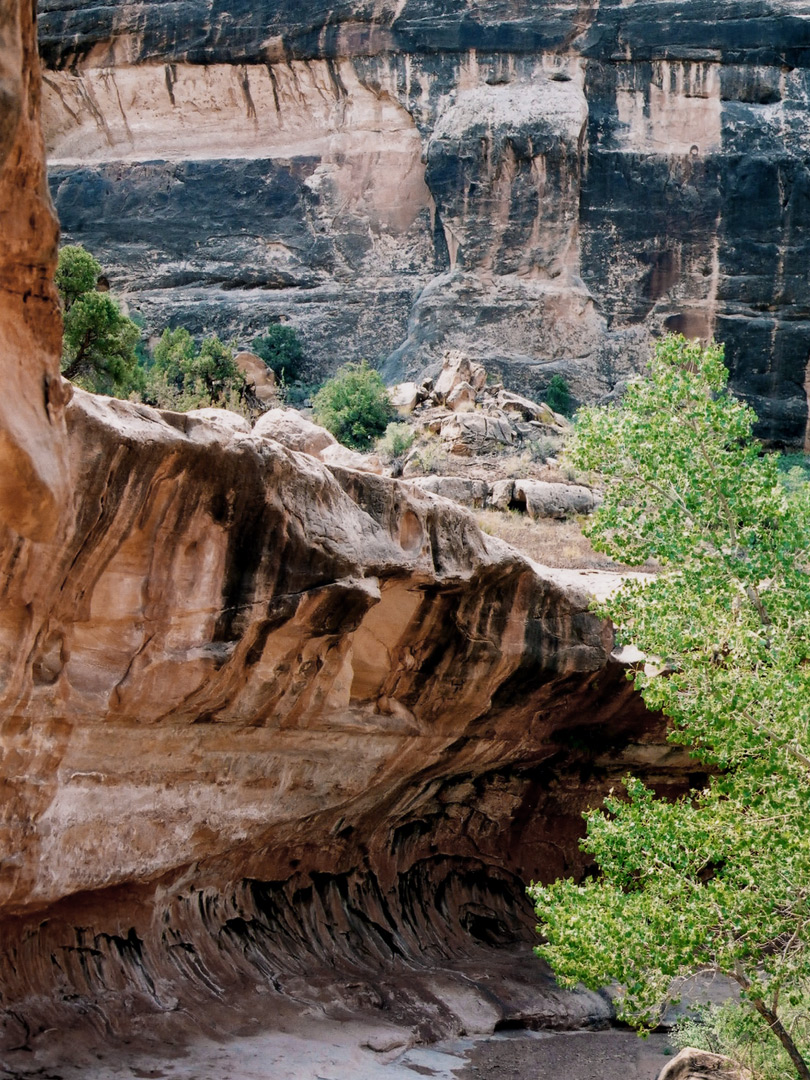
<point>779,1030</point>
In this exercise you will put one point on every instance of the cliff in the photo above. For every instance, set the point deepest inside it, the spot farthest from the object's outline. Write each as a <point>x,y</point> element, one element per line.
<point>543,185</point>
<point>280,743</point>
<point>273,726</point>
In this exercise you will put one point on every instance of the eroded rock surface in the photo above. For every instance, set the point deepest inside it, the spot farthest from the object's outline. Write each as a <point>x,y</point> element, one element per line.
<point>544,185</point>
<point>33,480</point>
<point>270,723</point>
<point>276,736</point>
<point>692,1064</point>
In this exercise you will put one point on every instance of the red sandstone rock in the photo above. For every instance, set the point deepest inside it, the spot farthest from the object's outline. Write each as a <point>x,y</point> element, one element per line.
<point>33,472</point>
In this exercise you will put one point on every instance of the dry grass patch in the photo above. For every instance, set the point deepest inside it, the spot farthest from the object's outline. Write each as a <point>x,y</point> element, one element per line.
<point>552,543</point>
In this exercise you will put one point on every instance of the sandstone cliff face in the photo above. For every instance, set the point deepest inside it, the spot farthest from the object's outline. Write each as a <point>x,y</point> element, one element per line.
<point>32,435</point>
<point>270,731</point>
<point>544,185</point>
<point>239,670</point>
<point>274,727</point>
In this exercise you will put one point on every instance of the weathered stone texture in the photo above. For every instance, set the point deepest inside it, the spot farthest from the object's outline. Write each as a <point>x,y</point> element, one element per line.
<point>32,435</point>
<point>267,726</point>
<point>543,185</point>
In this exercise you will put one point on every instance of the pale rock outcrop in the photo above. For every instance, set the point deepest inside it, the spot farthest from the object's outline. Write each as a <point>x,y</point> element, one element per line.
<point>468,434</point>
<point>296,432</point>
<point>458,370</point>
<point>501,494</point>
<point>461,398</point>
<point>346,458</point>
<point>220,419</point>
<point>260,378</point>
<point>293,430</point>
<point>544,499</point>
<point>517,405</point>
<point>465,492</point>
<point>404,397</point>
<point>692,1064</point>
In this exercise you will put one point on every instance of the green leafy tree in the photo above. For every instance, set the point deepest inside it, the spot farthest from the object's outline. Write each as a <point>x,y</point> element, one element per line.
<point>558,395</point>
<point>99,342</point>
<point>183,377</point>
<point>211,375</point>
<point>718,880</point>
<point>77,273</point>
<point>281,350</point>
<point>354,405</point>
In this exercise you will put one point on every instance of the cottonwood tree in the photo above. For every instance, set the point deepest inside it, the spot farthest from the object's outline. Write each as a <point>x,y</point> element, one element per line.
<point>720,879</point>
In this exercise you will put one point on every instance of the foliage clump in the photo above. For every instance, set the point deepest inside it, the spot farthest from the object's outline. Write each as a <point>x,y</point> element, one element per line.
<point>558,395</point>
<point>99,342</point>
<point>744,1036</point>
<point>396,442</point>
<point>183,377</point>
<point>354,405</point>
<point>718,880</point>
<point>281,350</point>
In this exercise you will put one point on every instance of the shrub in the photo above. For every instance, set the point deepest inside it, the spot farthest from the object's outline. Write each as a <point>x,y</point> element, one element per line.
<point>540,450</point>
<point>741,1034</point>
<point>354,405</point>
<point>558,396</point>
<point>397,441</point>
<point>432,457</point>
<point>281,350</point>
<point>99,342</point>
<point>181,377</point>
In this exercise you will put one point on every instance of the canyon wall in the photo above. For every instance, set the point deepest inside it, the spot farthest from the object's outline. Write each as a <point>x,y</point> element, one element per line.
<point>277,740</point>
<point>545,185</point>
<point>270,727</point>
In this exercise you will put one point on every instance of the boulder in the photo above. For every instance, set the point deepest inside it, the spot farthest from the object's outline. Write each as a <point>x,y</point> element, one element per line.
<point>459,489</point>
<point>692,1064</point>
<point>345,458</point>
<point>457,369</point>
<point>405,397</point>
<point>469,434</point>
<point>291,429</point>
<point>259,377</point>
<point>501,494</point>
<point>225,421</point>
<point>549,500</point>
<point>462,398</point>
<point>526,409</point>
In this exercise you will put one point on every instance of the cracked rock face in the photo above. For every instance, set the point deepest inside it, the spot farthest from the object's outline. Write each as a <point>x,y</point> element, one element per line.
<point>543,185</point>
<point>275,735</point>
<point>268,723</point>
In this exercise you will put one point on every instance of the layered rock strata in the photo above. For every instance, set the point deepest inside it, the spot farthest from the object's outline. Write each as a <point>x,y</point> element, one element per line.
<point>543,185</point>
<point>275,736</point>
<point>272,724</point>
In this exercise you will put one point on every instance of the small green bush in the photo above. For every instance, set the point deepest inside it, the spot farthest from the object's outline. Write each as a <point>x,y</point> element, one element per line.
<point>794,470</point>
<point>354,405</point>
<point>181,377</point>
<point>558,396</point>
<point>396,442</point>
<point>540,450</point>
<point>281,350</point>
<point>432,458</point>
<point>736,1030</point>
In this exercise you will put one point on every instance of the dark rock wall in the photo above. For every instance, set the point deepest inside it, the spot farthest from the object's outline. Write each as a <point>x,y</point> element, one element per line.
<point>544,185</point>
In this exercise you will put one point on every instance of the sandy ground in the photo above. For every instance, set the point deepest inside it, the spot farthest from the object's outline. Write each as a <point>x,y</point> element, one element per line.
<point>343,1052</point>
<point>597,1055</point>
